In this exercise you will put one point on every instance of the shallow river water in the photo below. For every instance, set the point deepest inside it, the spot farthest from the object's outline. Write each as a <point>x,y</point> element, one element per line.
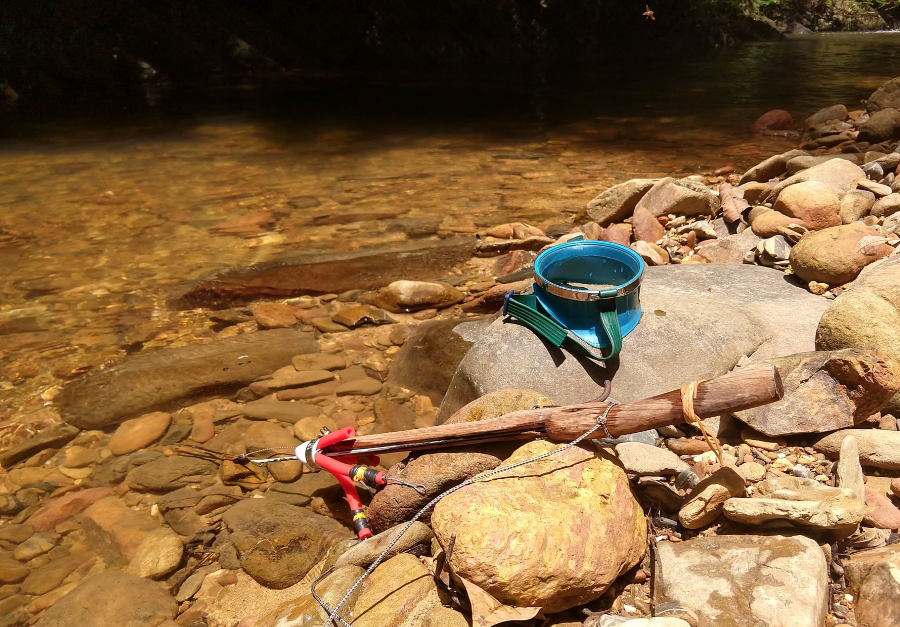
<point>104,220</point>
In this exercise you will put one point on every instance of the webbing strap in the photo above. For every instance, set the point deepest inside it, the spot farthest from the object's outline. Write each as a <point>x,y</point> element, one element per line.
<point>524,308</point>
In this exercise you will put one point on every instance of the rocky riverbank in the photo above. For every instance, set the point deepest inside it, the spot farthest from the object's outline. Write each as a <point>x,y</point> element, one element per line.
<point>135,503</point>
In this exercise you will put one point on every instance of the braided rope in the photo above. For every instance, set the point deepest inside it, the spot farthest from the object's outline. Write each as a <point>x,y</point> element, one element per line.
<point>688,392</point>
<point>333,613</point>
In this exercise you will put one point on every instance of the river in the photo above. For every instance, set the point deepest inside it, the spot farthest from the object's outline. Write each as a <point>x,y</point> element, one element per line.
<point>106,218</point>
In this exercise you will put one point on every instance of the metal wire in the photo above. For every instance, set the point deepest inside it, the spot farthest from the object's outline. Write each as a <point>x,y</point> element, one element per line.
<point>333,613</point>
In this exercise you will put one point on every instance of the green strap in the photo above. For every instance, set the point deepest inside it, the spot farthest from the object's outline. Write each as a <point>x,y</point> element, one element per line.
<point>524,308</point>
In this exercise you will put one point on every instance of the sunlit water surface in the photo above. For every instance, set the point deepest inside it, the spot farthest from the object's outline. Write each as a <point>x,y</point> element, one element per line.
<point>104,219</point>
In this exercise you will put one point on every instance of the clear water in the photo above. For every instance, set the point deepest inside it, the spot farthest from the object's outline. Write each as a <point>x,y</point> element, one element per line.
<point>104,218</point>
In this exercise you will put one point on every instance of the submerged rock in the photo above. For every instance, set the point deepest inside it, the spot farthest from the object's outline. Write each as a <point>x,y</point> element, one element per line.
<point>168,378</point>
<point>521,537</point>
<point>277,544</point>
<point>406,296</point>
<point>112,598</point>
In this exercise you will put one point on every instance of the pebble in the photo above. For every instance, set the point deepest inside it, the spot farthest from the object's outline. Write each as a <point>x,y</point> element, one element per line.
<point>137,433</point>
<point>752,471</point>
<point>643,459</point>
<point>361,387</point>
<point>31,548</point>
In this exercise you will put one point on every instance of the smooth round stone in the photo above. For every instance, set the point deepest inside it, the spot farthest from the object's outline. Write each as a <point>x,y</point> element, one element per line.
<point>311,428</point>
<point>80,456</point>
<point>137,433</point>
<point>359,387</point>
<point>752,471</point>
<point>31,548</point>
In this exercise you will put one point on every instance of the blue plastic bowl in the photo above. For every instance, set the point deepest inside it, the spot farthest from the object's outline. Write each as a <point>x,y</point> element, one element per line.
<point>618,268</point>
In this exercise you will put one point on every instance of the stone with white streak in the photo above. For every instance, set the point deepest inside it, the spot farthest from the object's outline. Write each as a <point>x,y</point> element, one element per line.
<point>736,581</point>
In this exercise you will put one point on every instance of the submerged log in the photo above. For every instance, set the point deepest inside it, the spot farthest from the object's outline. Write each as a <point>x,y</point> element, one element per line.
<point>742,389</point>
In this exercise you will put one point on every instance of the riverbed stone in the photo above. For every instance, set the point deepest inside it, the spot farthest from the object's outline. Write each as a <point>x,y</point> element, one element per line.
<point>365,553</point>
<point>643,459</point>
<point>731,581</point>
<point>11,570</point>
<point>708,497</point>
<point>730,249</point>
<point>882,125</point>
<point>825,391</point>
<point>168,473</point>
<point>138,433</point>
<point>812,202</point>
<point>886,206</point>
<point>836,256</point>
<point>112,598</point>
<point>277,544</point>
<point>645,226</point>
<point>803,502</point>
<point>770,168</point>
<point>834,112</point>
<point>65,507</point>
<point>158,555</point>
<point>270,408</point>
<point>877,448</point>
<point>274,316</point>
<point>849,474</point>
<point>880,513</point>
<point>515,536</point>
<point>618,202</point>
<point>839,174</point>
<point>116,532</point>
<point>772,223</point>
<point>680,197</point>
<point>270,435</point>
<point>49,576</point>
<point>855,205</point>
<point>163,379</point>
<point>774,120</point>
<point>867,314</point>
<point>873,582</point>
<point>407,296</point>
<point>400,592</point>
<point>675,342</point>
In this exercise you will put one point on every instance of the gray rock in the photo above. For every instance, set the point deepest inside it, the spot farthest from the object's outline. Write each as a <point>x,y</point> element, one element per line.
<point>877,448</point>
<point>834,112</point>
<point>730,249</point>
<point>618,202</point>
<point>886,206</point>
<point>878,189</point>
<point>803,502</point>
<point>695,325</point>
<point>855,205</point>
<point>729,581</point>
<point>165,379</point>
<point>886,96</point>
<point>428,358</point>
<point>679,197</point>
<point>891,225</point>
<point>839,174</point>
<point>826,390</point>
<point>776,247</point>
<point>643,459</point>
<point>166,474</point>
<point>772,167</point>
<point>881,126</point>
<point>849,470</point>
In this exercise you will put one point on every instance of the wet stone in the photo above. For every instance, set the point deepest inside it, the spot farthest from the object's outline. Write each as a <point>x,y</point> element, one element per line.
<point>170,473</point>
<point>270,408</point>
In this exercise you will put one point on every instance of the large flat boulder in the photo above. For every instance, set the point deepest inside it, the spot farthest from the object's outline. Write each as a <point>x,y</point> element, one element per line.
<point>698,322</point>
<point>165,379</point>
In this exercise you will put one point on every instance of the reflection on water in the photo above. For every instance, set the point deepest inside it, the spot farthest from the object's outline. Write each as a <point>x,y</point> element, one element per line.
<point>102,224</point>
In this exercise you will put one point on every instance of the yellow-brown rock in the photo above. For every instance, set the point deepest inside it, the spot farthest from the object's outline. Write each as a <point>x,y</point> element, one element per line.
<point>811,201</point>
<point>399,593</point>
<point>554,533</point>
<point>772,223</point>
<point>836,255</point>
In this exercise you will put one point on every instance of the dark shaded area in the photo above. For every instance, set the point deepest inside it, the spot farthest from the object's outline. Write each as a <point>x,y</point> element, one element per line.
<point>127,55</point>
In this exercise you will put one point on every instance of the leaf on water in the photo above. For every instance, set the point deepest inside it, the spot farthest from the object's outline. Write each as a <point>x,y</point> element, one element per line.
<point>732,204</point>
<point>488,611</point>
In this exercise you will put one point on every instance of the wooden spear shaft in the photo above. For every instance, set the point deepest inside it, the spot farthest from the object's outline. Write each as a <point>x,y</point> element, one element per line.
<point>745,388</point>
